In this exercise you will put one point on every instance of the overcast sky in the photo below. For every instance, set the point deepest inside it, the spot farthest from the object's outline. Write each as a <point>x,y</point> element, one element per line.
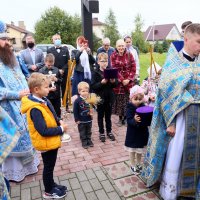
<point>152,11</point>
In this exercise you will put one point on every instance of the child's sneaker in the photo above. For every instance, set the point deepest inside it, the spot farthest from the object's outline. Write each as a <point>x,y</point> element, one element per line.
<point>85,144</point>
<point>102,137</point>
<point>135,170</point>
<point>55,194</point>
<point>60,187</point>
<point>111,136</point>
<point>90,143</point>
<point>139,167</point>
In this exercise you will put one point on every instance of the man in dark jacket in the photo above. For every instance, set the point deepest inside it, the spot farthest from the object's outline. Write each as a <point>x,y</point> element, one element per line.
<point>61,55</point>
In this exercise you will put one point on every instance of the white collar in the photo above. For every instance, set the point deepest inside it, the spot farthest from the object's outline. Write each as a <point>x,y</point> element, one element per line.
<point>187,54</point>
<point>39,99</point>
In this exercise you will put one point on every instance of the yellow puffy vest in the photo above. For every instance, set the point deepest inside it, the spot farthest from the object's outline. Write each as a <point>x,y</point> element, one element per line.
<point>39,142</point>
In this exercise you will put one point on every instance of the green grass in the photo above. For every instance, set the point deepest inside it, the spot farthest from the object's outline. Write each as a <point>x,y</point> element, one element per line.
<point>145,63</point>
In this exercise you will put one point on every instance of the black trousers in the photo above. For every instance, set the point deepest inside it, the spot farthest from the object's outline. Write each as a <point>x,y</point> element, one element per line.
<point>104,110</point>
<point>56,105</point>
<point>85,131</point>
<point>64,81</point>
<point>49,161</point>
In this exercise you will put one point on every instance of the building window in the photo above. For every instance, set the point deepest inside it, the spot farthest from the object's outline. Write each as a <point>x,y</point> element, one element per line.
<point>14,41</point>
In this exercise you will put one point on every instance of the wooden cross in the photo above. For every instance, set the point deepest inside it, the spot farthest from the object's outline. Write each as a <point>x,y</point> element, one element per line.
<point>87,8</point>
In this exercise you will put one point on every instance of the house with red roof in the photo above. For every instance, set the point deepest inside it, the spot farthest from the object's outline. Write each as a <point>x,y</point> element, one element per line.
<point>17,34</point>
<point>162,32</point>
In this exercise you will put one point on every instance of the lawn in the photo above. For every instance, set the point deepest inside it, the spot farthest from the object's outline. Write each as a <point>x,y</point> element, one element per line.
<point>145,63</point>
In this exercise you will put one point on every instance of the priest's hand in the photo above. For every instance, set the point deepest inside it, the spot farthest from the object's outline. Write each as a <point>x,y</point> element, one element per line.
<point>171,130</point>
<point>23,93</point>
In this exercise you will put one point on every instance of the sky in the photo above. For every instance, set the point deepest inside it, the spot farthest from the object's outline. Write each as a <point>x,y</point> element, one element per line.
<point>152,11</point>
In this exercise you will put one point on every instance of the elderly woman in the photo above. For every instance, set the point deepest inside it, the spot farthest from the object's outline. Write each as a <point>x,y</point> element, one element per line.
<point>125,63</point>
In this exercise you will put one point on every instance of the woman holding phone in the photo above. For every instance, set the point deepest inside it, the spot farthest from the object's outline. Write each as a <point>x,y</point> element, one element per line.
<point>84,63</point>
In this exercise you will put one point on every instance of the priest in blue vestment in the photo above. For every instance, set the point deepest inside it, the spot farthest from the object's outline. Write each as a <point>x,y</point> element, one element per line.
<point>23,159</point>
<point>174,143</point>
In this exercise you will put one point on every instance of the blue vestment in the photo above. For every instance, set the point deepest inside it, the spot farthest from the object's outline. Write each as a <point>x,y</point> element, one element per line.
<point>8,138</point>
<point>177,90</point>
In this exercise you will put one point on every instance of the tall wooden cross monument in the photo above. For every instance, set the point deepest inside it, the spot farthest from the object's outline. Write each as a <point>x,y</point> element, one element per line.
<point>87,8</point>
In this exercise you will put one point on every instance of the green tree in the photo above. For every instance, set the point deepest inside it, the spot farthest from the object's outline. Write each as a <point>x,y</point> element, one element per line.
<point>165,45</point>
<point>137,35</point>
<point>158,47</point>
<point>55,20</point>
<point>97,42</point>
<point>111,29</point>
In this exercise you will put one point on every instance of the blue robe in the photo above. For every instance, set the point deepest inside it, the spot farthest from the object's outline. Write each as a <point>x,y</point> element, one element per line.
<point>12,81</point>
<point>8,139</point>
<point>176,91</point>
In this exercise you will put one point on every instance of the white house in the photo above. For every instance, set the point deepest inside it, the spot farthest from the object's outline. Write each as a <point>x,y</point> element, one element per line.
<point>98,28</point>
<point>162,32</point>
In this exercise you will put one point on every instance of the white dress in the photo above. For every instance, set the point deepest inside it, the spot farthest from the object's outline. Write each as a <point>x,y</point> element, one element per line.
<point>169,182</point>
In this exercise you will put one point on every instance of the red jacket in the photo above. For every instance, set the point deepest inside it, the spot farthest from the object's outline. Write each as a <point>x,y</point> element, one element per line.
<point>126,70</point>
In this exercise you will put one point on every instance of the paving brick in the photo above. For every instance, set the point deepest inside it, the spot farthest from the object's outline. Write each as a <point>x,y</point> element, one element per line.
<point>36,192</point>
<point>90,174</point>
<point>114,196</point>
<point>145,196</point>
<point>94,165</point>
<point>95,184</point>
<point>91,196</point>
<point>118,191</point>
<point>74,183</point>
<point>108,162</point>
<point>41,185</point>
<point>100,175</point>
<point>26,194</point>
<point>67,176</point>
<point>86,186</point>
<point>70,196</point>
<point>16,198</point>
<point>62,172</point>
<point>79,194</point>
<point>130,186</point>
<point>101,195</point>
<point>66,183</point>
<point>31,184</point>
<point>78,168</point>
<point>15,191</point>
<point>81,176</point>
<point>96,168</point>
<point>118,170</point>
<point>107,186</point>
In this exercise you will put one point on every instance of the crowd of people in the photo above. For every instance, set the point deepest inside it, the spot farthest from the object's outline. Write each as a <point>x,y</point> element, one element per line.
<point>31,88</point>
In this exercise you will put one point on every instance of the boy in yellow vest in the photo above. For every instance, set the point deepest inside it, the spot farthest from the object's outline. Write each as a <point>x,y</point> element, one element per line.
<point>45,131</point>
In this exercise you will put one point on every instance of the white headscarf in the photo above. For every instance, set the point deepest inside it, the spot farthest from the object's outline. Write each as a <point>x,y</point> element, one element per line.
<point>86,65</point>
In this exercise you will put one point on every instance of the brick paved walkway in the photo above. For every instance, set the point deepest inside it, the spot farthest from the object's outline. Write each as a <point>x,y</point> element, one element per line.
<point>98,173</point>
